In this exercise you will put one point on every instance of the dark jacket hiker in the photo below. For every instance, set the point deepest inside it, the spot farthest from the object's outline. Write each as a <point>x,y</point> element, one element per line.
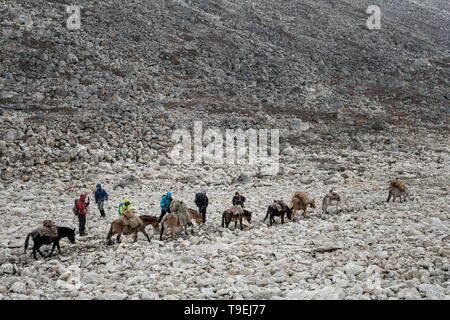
<point>238,200</point>
<point>201,201</point>
<point>100,196</point>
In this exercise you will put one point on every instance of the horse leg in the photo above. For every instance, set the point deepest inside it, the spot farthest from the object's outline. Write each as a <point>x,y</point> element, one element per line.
<point>34,252</point>
<point>235,224</point>
<point>39,250</point>
<point>110,234</point>
<point>146,234</point>
<point>53,248</point>
<point>267,214</point>
<point>304,211</point>
<point>282,218</point>
<point>36,247</point>
<point>161,232</point>
<point>135,236</point>
<point>118,237</point>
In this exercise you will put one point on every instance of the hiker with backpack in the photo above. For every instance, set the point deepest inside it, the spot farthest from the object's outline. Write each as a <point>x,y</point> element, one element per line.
<point>201,201</point>
<point>81,209</point>
<point>166,200</point>
<point>125,205</point>
<point>100,196</point>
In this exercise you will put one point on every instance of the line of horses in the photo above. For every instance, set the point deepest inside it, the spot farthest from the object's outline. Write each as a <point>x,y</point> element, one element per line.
<point>181,217</point>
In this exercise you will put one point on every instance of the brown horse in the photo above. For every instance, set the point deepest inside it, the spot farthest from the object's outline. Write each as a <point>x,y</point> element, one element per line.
<point>118,227</point>
<point>195,215</point>
<point>300,201</point>
<point>178,210</point>
<point>236,215</point>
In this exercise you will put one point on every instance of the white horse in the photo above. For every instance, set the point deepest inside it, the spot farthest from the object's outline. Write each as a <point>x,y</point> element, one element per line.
<point>331,199</point>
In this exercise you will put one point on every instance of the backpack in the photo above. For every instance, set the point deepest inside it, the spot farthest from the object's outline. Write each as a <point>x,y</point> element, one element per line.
<point>120,205</point>
<point>74,209</point>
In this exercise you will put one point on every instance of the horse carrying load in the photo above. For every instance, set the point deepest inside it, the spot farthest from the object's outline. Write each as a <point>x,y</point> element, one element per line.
<point>178,217</point>
<point>49,233</point>
<point>235,214</point>
<point>130,224</point>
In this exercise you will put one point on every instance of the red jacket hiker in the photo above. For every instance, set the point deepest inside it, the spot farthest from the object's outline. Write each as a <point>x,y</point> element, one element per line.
<point>82,205</point>
<point>82,212</point>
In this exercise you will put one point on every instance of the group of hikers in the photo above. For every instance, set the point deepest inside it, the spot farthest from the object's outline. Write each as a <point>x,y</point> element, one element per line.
<point>81,205</point>
<point>180,214</point>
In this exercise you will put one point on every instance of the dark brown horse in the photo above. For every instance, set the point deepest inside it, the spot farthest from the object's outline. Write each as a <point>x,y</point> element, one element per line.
<point>118,227</point>
<point>230,216</point>
<point>39,241</point>
<point>277,208</point>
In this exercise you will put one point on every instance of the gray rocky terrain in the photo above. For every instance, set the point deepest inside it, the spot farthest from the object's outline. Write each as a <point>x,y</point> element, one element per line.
<point>355,108</point>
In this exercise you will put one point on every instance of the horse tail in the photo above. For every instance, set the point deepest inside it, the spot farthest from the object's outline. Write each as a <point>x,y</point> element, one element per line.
<point>26,241</point>
<point>110,231</point>
<point>389,196</point>
<point>223,219</point>
<point>268,209</point>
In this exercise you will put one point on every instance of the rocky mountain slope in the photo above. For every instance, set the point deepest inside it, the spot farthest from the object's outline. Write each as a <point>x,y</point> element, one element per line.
<point>355,108</point>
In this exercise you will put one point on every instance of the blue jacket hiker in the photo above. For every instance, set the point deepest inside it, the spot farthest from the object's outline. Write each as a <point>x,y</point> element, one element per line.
<point>166,200</point>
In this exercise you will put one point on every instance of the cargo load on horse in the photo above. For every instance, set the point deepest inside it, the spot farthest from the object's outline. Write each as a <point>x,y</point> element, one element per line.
<point>48,229</point>
<point>130,219</point>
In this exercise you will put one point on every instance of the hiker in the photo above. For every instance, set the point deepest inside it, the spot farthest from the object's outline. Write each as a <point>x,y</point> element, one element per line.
<point>100,196</point>
<point>125,205</point>
<point>166,200</point>
<point>238,200</point>
<point>82,212</point>
<point>201,200</point>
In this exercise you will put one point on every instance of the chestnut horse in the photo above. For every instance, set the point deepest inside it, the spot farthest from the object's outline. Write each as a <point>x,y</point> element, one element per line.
<point>300,201</point>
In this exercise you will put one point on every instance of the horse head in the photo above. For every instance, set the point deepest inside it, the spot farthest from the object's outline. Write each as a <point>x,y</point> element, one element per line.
<point>71,235</point>
<point>248,216</point>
